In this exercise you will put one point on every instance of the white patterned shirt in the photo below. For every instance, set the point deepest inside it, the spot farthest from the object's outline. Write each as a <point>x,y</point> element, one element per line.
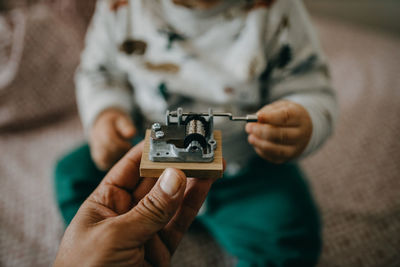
<point>147,56</point>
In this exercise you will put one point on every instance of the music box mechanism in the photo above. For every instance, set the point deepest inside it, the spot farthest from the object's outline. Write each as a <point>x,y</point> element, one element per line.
<point>187,136</point>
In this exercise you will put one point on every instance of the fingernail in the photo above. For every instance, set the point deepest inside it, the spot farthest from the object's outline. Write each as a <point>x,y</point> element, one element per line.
<point>170,182</point>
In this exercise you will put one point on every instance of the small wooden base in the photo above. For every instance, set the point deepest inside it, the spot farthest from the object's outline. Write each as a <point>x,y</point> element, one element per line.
<point>204,170</point>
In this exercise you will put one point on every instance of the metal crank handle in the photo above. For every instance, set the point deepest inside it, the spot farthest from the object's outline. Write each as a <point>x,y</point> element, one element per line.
<point>247,118</point>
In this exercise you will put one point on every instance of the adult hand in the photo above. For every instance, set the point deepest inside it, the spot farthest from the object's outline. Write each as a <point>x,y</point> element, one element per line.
<point>122,223</point>
<point>110,136</point>
<point>282,133</point>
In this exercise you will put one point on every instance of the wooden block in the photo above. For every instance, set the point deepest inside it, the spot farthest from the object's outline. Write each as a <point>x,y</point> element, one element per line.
<point>212,169</point>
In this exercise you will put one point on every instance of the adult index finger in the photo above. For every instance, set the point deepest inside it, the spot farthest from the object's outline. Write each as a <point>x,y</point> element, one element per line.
<point>195,194</point>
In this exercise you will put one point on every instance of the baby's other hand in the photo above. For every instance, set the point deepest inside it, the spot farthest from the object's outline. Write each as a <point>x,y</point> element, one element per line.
<point>282,133</point>
<point>109,137</point>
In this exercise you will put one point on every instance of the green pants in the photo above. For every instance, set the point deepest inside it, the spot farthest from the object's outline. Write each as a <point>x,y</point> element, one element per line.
<point>264,216</point>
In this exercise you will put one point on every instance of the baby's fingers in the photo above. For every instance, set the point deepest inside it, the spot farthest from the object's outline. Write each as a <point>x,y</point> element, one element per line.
<point>274,134</point>
<point>108,150</point>
<point>119,146</point>
<point>282,113</point>
<point>272,152</point>
<point>125,128</point>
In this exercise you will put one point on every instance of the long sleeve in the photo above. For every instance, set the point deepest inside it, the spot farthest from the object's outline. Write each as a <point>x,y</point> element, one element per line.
<point>100,84</point>
<point>297,70</point>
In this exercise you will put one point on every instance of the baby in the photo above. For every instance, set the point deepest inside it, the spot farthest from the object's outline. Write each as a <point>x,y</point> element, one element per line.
<point>242,56</point>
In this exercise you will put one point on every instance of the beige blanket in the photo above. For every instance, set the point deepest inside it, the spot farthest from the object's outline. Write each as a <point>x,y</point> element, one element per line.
<point>355,177</point>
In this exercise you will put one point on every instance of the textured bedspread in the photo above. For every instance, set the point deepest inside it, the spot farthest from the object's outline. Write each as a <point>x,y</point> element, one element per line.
<point>355,177</point>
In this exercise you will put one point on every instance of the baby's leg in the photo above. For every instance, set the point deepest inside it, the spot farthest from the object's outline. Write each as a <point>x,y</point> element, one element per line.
<point>265,217</point>
<point>75,178</point>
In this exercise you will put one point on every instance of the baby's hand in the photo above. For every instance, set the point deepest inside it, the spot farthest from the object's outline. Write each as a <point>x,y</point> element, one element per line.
<point>282,133</point>
<point>109,137</point>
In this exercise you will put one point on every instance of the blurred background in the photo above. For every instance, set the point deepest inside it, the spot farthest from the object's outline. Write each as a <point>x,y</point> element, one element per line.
<point>381,15</point>
<point>355,177</point>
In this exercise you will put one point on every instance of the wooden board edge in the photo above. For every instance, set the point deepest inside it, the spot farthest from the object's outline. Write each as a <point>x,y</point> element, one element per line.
<point>214,172</point>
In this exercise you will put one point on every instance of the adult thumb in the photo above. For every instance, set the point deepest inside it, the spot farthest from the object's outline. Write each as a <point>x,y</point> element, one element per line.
<point>157,208</point>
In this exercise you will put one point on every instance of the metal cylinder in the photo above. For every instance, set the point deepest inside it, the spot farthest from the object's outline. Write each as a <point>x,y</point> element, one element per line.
<point>195,131</point>
<point>195,127</point>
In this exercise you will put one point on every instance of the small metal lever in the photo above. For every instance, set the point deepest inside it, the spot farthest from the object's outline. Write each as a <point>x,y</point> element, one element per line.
<point>247,118</point>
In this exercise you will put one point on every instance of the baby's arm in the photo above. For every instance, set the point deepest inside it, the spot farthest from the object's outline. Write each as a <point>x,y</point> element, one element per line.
<point>104,97</point>
<point>303,110</point>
